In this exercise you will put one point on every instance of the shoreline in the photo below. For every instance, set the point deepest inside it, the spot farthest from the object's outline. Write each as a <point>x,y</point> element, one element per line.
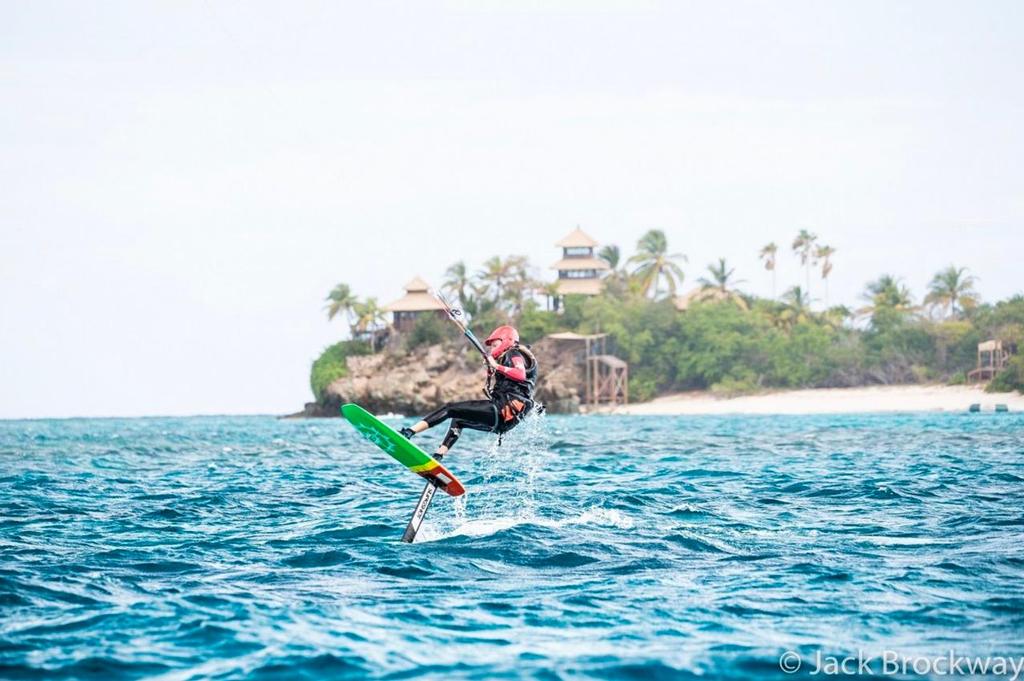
<point>914,398</point>
<point>860,400</point>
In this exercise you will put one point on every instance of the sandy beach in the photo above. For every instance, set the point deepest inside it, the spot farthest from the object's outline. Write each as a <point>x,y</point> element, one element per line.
<point>905,398</point>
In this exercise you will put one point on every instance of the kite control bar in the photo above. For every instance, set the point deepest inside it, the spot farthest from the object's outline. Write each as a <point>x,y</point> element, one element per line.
<point>456,316</point>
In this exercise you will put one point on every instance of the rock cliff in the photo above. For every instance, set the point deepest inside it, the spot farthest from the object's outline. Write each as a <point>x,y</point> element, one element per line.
<point>416,382</point>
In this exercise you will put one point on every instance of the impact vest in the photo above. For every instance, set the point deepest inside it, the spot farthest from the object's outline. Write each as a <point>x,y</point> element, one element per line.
<point>514,399</point>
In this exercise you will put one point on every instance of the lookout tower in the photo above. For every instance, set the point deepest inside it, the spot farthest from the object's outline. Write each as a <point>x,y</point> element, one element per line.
<point>579,270</point>
<point>416,301</point>
<point>605,376</point>
<point>992,358</point>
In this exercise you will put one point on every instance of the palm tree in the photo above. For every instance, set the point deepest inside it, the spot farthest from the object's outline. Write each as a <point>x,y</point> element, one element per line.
<point>340,301</point>
<point>456,280</point>
<point>550,291</point>
<point>951,286</point>
<point>655,263</point>
<point>721,277</point>
<point>798,299</point>
<point>369,317</point>
<point>803,245</point>
<point>721,285</point>
<point>519,284</point>
<point>767,254</point>
<point>617,283</point>
<point>611,255</point>
<point>477,302</point>
<point>836,315</point>
<point>796,306</point>
<point>824,255</point>
<point>887,293</point>
<point>494,275</point>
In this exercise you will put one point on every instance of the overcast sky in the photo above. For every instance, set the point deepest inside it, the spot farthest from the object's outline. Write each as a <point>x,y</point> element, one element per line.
<point>181,183</point>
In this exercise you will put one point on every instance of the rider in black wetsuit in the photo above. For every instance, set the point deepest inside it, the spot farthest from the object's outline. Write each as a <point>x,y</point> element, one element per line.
<point>513,369</point>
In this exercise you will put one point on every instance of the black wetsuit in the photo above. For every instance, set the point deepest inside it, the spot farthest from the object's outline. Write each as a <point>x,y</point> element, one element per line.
<point>511,399</point>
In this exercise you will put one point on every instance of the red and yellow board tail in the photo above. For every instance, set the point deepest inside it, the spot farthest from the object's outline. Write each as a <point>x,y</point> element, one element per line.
<point>440,476</point>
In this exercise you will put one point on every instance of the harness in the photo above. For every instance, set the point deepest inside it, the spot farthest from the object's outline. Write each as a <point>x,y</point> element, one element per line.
<point>512,399</point>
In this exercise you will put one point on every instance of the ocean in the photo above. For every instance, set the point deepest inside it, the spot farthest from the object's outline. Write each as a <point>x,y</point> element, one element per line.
<point>604,547</point>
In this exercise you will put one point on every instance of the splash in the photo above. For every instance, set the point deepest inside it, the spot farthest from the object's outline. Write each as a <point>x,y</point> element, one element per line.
<point>505,496</point>
<point>595,516</point>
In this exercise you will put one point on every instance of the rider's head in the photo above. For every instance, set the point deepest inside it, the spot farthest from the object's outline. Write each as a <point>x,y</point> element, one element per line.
<point>501,340</point>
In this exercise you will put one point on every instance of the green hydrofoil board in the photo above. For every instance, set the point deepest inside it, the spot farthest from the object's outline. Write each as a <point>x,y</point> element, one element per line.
<point>400,449</point>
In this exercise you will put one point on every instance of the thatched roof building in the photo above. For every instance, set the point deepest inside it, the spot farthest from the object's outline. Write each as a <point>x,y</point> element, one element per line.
<point>416,301</point>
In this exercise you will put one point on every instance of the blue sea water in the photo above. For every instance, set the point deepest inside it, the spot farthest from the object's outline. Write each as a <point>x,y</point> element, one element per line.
<point>586,547</point>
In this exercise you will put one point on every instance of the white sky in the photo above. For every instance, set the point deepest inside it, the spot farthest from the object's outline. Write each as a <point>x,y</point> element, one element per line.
<point>181,183</point>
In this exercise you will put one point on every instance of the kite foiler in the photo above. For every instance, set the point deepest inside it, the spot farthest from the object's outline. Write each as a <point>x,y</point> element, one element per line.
<point>405,452</point>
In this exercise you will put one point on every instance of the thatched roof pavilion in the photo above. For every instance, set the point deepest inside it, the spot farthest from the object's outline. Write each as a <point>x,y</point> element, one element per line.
<point>416,301</point>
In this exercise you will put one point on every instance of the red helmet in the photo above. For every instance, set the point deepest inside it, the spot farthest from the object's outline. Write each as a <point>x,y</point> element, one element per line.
<point>501,339</point>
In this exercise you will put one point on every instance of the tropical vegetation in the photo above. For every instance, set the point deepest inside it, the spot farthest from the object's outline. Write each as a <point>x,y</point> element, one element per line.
<point>724,340</point>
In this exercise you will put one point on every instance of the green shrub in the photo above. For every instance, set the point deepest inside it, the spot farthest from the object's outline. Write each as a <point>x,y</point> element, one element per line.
<point>643,386</point>
<point>430,329</point>
<point>734,387</point>
<point>534,324</point>
<point>1009,379</point>
<point>572,309</point>
<point>800,358</point>
<point>719,341</point>
<point>330,365</point>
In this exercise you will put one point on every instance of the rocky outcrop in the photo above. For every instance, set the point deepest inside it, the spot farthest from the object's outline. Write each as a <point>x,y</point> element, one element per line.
<point>561,381</point>
<point>415,383</point>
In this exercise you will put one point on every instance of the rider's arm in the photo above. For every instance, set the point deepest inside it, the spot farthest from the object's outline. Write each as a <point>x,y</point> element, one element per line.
<point>516,372</point>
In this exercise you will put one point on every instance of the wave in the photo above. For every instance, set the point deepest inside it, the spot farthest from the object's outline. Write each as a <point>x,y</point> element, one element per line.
<point>599,547</point>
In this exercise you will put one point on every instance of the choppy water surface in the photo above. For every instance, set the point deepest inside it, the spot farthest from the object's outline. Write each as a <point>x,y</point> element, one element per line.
<point>609,547</point>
